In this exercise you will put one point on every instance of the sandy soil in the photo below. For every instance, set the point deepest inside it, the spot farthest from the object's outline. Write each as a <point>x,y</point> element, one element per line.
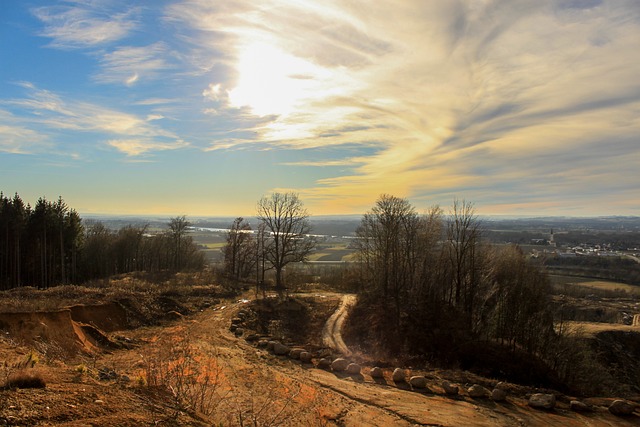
<point>229,380</point>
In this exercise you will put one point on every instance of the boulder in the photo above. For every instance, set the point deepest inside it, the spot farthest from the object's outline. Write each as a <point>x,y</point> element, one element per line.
<point>324,363</point>
<point>239,332</point>
<point>498,395</point>
<point>376,373</point>
<point>398,375</point>
<point>271,345</point>
<point>449,388</point>
<point>305,357</point>
<point>620,407</point>
<point>252,337</point>
<point>263,343</point>
<point>339,364</point>
<point>295,353</point>
<point>353,369</point>
<point>542,401</point>
<point>280,349</point>
<point>478,391</point>
<point>418,381</point>
<point>578,406</point>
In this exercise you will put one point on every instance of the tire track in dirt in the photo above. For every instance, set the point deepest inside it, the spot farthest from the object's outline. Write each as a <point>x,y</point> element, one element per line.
<point>332,331</point>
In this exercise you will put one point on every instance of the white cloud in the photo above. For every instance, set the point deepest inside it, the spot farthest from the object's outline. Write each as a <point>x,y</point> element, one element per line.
<point>84,25</point>
<point>137,147</point>
<point>51,110</point>
<point>434,84</point>
<point>129,65</point>
<point>16,138</point>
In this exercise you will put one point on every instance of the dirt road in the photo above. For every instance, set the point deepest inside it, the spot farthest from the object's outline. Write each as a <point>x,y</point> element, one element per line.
<point>331,333</point>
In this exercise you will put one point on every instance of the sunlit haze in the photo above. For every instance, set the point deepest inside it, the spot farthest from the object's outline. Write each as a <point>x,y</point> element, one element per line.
<point>200,107</point>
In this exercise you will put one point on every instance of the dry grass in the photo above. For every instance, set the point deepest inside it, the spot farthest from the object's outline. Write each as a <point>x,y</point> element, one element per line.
<point>138,286</point>
<point>25,378</point>
<point>610,286</point>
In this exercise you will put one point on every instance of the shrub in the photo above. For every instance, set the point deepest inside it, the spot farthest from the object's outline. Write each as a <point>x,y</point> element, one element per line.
<point>25,378</point>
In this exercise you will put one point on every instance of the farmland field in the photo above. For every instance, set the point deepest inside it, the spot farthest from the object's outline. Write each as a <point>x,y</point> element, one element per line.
<point>558,280</point>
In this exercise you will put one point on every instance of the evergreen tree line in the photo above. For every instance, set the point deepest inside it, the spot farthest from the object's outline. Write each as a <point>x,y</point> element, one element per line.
<point>49,244</point>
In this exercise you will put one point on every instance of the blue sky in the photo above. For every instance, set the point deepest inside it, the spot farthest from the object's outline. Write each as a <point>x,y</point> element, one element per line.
<point>200,107</point>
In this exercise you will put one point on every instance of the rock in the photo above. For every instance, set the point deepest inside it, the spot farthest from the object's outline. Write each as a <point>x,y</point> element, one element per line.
<point>233,328</point>
<point>305,357</point>
<point>106,374</point>
<point>239,332</point>
<point>280,349</point>
<point>295,353</point>
<point>498,395</point>
<point>620,407</point>
<point>271,345</point>
<point>398,375</point>
<point>353,369</point>
<point>449,388</point>
<point>324,363</point>
<point>174,315</point>
<point>325,352</point>
<point>236,321</point>
<point>339,364</point>
<point>418,381</point>
<point>376,373</point>
<point>577,406</point>
<point>502,386</point>
<point>477,391</point>
<point>262,343</point>
<point>252,337</point>
<point>542,401</point>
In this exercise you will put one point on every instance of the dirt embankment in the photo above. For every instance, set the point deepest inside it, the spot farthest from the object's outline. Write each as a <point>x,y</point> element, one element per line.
<point>47,328</point>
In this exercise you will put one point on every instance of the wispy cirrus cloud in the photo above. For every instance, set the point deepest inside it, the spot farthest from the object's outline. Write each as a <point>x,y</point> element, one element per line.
<point>130,64</point>
<point>139,146</point>
<point>136,135</point>
<point>458,97</point>
<point>18,138</point>
<point>84,24</point>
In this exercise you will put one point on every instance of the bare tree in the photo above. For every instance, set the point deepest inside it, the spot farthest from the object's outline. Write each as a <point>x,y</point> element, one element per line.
<point>463,238</point>
<point>387,246</point>
<point>178,230</point>
<point>239,257</point>
<point>286,219</point>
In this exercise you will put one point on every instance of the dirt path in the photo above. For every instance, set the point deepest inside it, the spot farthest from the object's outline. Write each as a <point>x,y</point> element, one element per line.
<point>331,333</point>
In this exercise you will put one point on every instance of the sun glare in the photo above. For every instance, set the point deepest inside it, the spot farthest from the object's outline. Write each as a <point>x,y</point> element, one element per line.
<point>272,81</point>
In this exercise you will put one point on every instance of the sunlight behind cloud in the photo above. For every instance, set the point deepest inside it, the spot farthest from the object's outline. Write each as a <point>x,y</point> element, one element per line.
<point>274,82</point>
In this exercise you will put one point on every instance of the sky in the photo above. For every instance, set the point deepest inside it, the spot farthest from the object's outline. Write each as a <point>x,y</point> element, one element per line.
<point>201,107</point>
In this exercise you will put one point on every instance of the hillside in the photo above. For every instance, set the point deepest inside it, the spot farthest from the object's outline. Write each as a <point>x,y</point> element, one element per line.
<point>166,356</point>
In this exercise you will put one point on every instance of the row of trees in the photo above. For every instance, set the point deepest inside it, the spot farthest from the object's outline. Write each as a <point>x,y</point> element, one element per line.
<point>48,245</point>
<point>107,252</point>
<point>432,274</point>
<point>282,237</point>
<point>38,245</point>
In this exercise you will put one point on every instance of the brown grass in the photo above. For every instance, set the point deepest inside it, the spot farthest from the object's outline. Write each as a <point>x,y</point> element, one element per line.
<point>25,378</point>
